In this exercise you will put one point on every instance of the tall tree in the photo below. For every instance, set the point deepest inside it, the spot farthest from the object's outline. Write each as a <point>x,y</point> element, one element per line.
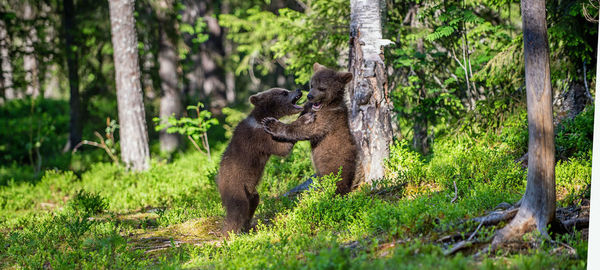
<point>30,61</point>
<point>370,110</point>
<point>132,121</point>
<point>539,202</point>
<point>170,101</point>
<point>5,61</point>
<point>594,237</point>
<point>69,28</point>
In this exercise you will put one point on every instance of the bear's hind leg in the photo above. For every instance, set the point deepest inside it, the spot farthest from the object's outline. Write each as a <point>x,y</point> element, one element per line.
<point>237,209</point>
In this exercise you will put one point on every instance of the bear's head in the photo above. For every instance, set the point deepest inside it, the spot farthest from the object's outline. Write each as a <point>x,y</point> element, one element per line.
<point>327,87</point>
<point>277,102</point>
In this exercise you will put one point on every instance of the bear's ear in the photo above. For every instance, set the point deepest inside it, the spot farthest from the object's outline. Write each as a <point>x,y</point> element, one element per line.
<point>254,99</point>
<point>345,77</point>
<point>317,67</point>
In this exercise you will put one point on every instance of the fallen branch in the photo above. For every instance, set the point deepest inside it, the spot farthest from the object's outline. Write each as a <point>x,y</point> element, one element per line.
<point>496,217</point>
<point>577,223</point>
<point>455,193</point>
<point>462,244</point>
<point>300,188</point>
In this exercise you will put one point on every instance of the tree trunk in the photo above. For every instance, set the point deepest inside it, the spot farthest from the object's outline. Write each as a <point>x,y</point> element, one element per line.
<point>227,51</point>
<point>6,67</point>
<point>170,101</point>
<point>133,133</point>
<point>30,64</point>
<point>539,202</point>
<point>420,139</point>
<point>370,110</point>
<point>594,236</point>
<point>72,64</point>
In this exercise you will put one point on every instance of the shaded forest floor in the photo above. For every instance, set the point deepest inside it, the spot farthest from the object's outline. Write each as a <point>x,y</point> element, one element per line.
<point>169,217</point>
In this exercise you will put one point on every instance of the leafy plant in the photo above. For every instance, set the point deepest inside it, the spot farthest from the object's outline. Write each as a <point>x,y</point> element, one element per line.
<point>195,129</point>
<point>107,142</point>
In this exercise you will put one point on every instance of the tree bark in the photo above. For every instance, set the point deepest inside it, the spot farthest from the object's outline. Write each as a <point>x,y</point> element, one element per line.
<point>370,105</point>
<point>30,63</point>
<point>420,139</point>
<point>539,202</point>
<point>6,65</point>
<point>133,131</point>
<point>75,128</point>
<point>207,78</point>
<point>170,101</point>
<point>594,236</point>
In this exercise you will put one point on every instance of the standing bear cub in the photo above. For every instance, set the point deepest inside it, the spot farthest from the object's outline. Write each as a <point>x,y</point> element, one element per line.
<point>244,159</point>
<point>324,123</point>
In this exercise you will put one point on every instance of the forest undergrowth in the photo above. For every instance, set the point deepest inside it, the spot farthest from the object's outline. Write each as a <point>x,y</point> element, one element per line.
<point>101,216</point>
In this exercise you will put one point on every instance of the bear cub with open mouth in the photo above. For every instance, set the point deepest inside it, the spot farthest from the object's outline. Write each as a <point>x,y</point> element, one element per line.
<point>244,159</point>
<point>324,123</point>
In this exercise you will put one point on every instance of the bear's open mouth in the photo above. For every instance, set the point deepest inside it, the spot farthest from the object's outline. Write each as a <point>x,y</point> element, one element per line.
<point>317,106</point>
<point>295,100</point>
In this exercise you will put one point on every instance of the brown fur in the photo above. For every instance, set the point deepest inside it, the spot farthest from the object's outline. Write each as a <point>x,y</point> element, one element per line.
<point>244,159</point>
<point>325,126</point>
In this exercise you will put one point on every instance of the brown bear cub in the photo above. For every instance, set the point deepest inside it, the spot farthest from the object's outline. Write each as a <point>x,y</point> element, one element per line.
<point>244,159</point>
<point>324,123</point>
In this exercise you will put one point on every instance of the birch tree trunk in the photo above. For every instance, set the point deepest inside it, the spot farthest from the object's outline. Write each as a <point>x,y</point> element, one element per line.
<point>594,237</point>
<point>370,105</point>
<point>133,131</point>
<point>30,63</point>
<point>6,65</point>
<point>170,101</point>
<point>539,202</point>
<point>72,64</point>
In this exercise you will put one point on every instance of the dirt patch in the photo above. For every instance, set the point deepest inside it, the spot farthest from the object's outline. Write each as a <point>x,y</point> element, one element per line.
<point>195,232</point>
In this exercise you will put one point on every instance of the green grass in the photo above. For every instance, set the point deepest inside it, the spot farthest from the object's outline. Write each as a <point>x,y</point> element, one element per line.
<point>168,216</point>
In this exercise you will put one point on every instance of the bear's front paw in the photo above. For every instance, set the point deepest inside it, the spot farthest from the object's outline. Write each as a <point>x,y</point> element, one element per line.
<point>269,124</point>
<point>309,118</point>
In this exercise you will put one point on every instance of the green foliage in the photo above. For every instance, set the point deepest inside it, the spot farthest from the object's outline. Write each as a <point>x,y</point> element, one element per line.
<point>574,137</point>
<point>29,128</point>
<point>195,129</point>
<point>232,118</point>
<point>404,164</point>
<point>88,203</point>
<point>296,39</point>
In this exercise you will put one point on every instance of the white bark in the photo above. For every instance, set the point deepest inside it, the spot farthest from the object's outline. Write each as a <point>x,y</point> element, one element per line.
<point>594,237</point>
<point>370,110</point>
<point>133,131</point>
<point>6,67</point>
<point>30,63</point>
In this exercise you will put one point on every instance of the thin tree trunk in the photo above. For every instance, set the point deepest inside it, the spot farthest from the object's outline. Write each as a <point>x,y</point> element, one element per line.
<point>132,122</point>
<point>72,64</point>
<point>420,139</point>
<point>539,202</point>
<point>170,101</point>
<point>370,110</point>
<point>30,63</point>
<point>6,67</point>
<point>228,50</point>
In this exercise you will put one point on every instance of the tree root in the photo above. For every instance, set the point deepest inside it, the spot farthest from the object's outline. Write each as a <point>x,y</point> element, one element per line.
<point>518,226</point>
<point>462,244</point>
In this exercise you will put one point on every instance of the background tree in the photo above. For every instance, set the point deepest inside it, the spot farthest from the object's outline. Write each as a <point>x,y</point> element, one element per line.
<point>30,60</point>
<point>132,120</point>
<point>5,63</point>
<point>370,109</point>
<point>71,50</point>
<point>170,100</point>
<point>539,201</point>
